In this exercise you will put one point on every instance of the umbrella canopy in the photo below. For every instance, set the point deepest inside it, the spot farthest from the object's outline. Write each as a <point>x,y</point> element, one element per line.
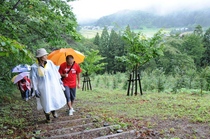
<point>21,68</point>
<point>20,76</point>
<point>59,56</point>
<point>13,78</point>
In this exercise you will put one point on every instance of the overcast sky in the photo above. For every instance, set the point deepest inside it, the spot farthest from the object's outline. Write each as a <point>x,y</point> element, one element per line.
<point>94,9</point>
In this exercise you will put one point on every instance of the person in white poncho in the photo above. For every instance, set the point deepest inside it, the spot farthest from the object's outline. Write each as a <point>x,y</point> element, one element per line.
<point>45,79</point>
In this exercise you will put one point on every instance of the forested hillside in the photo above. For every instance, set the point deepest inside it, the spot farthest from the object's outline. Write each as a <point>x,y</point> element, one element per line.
<point>139,19</point>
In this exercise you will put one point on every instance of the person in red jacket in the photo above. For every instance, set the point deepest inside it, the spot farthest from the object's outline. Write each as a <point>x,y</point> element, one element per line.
<point>24,86</point>
<point>70,73</point>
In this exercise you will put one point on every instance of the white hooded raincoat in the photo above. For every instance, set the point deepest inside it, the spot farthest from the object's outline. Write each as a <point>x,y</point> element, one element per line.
<point>46,81</point>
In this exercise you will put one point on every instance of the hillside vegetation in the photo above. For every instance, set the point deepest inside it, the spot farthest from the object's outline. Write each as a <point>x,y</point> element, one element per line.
<point>140,19</point>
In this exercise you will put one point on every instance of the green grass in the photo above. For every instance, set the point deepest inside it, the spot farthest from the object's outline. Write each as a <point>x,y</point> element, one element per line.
<point>108,98</point>
<point>87,33</point>
<point>149,32</point>
<point>113,102</point>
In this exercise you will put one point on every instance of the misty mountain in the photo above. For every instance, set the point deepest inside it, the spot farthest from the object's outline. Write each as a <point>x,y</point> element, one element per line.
<point>139,19</point>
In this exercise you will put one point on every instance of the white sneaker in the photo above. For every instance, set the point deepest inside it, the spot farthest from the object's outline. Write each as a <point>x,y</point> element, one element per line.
<point>72,109</point>
<point>70,112</point>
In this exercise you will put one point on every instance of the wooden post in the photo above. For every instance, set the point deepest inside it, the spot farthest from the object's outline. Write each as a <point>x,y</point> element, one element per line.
<point>140,84</point>
<point>129,84</point>
<point>87,82</point>
<point>132,83</point>
<point>90,83</point>
<point>83,85</point>
<point>136,87</point>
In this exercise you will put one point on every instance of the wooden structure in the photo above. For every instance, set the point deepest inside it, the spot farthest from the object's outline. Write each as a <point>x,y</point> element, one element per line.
<point>86,83</point>
<point>133,83</point>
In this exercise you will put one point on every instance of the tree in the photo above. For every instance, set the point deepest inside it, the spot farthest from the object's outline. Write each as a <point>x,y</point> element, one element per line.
<point>12,53</point>
<point>171,52</point>
<point>141,50</point>
<point>96,39</point>
<point>29,24</point>
<point>92,64</point>
<point>192,46</point>
<point>198,31</point>
<point>113,50</point>
<point>206,43</point>
<point>104,45</point>
<point>34,22</point>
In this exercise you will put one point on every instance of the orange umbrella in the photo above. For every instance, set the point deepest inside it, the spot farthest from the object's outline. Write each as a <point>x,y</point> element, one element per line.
<point>59,56</point>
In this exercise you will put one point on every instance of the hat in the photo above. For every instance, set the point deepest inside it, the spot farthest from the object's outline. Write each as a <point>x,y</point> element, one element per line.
<point>41,52</point>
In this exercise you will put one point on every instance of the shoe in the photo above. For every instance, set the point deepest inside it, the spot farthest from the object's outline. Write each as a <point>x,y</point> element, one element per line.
<point>47,115</point>
<point>55,115</point>
<point>48,121</point>
<point>70,112</point>
<point>26,99</point>
<point>72,109</point>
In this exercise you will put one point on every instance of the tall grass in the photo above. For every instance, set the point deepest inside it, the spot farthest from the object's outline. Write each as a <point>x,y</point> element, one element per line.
<point>155,81</point>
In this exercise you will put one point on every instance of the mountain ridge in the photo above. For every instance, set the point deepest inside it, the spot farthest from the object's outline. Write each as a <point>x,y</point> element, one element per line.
<point>138,19</point>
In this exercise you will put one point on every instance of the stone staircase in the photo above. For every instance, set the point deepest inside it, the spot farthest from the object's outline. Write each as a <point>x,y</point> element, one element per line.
<point>78,126</point>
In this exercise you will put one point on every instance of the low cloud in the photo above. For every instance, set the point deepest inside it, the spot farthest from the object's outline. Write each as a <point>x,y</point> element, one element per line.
<point>94,9</point>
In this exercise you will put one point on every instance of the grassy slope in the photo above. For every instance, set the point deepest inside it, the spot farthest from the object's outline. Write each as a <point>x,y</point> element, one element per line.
<point>115,102</point>
<point>114,106</point>
<point>149,32</point>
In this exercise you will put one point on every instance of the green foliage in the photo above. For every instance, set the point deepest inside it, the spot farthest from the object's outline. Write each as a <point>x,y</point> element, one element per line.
<point>193,47</point>
<point>114,83</point>
<point>96,39</point>
<point>140,49</point>
<point>205,79</point>
<point>125,85</point>
<point>198,31</point>
<point>10,48</point>
<point>191,73</point>
<point>206,43</point>
<point>36,22</point>
<point>111,45</point>
<point>119,77</point>
<point>92,63</point>
<point>154,81</point>
<point>12,53</point>
<point>28,25</point>
<point>175,60</point>
<point>97,82</point>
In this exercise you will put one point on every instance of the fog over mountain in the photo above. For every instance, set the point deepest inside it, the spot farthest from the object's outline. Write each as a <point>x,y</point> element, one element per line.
<point>138,19</point>
<point>89,10</point>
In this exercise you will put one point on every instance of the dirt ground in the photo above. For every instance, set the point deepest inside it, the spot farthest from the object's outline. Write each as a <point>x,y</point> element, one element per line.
<point>157,128</point>
<point>146,128</point>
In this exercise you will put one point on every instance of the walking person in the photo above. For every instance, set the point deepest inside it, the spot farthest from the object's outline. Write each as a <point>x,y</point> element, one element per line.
<point>70,72</point>
<point>24,86</point>
<point>46,85</point>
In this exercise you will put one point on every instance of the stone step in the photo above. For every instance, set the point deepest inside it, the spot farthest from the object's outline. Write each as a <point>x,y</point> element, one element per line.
<point>124,135</point>
<point>87,134</point>
<point>61,116</point>
<point>80,125</point>
<point>63,124</point>
<point>72,129</point>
